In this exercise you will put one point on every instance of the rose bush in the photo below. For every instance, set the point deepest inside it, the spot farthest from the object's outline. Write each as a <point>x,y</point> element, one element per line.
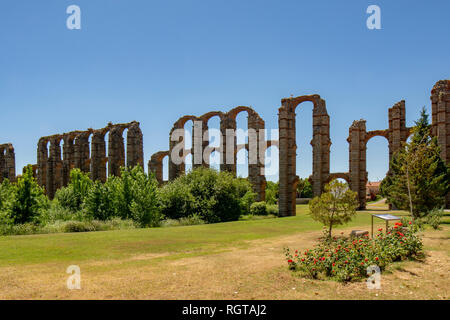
<point>345,259</point>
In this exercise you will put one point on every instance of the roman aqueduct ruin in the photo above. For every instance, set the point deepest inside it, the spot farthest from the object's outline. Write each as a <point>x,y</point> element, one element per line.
<point>88,151</point>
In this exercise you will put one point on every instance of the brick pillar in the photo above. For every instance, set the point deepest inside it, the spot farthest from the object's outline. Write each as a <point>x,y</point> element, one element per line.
<point>321,146</point>
<point>287,153</point>
<point>98,156</point>
<point>206,151</point>
<point>398,132</point>
<point>116,151</point>
<point>440,112</point>
<point>82,152</point>
<point>10,163</point>
<point>68,157</point>
<point>357,158</point>
<point>2,163</point>
<point>135,146</point>
<point>228,156</point>
<point>42,156</point>
<point>54,168</point>
<point>176,152</point>
<point>255,168</point>
<point>155,165</point>
<point>197,144</point>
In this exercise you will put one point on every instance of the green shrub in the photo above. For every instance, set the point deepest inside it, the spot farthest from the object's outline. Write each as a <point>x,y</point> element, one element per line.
<point>73,196</point>
<point>99,202</point>
<point>133,195</point>
<point>272,209</point>
<point>213,196</point>
<point>29,199</point>
<point>304,188</point>
<point>434,218</point>
<point>78,226</point>
<point>272,192</point>
<point>258,209</point>
<point>188,221</point>
<point>7,199</point>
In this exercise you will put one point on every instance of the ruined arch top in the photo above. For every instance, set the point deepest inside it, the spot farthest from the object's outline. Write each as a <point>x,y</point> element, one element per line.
<point>201,148</point>
<point>86,150</point>
<point>321,144</point>
<point>7,162</point>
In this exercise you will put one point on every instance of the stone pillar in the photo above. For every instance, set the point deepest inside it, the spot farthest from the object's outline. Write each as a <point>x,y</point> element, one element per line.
<point>176,146</point>
<point>42,157</point>
<point>228,155</point>
<point>155,165</point>
<point>255,168</point>
<point>321,146</point>
<point>54,168</point>
<point>98,156</point>
<point>287,153</point>
<point>135,146</point>
<point>197,144</point>
<point>68,157</point>
<point>82,152</point>
<point>357,159</point>
<point>116,151</point>
<point>10,163</point>
<point>440,113</point>
<point>398,132</point>
<point>206,151</point>
<point>2,163</point>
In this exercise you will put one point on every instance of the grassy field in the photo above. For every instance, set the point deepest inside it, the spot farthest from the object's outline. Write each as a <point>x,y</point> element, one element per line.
<point>236,260</point>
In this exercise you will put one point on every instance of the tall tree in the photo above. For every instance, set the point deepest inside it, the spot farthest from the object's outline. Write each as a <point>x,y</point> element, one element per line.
<point>419,178</point>
<point>336,206</point>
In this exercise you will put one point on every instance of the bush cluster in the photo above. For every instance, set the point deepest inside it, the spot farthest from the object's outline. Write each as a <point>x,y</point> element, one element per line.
<point>132,196</point>
<point>212,196</point>
<point>346,259</point>
<point>201,196</point>
<point>263,209</point>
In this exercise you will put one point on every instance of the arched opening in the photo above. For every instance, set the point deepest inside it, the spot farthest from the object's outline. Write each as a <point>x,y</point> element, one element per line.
<point>303,136</point>
<point>214,135</point>
<point>271,163</point>
<point>242,128</point>
<point>377,165</point>
<point>47,146</point>
<point>188,146</point>
<point>165,166</point>
<point>125,146</point>
<point>242,163</point>
<point>106,153</point>
<point>214,160</point>
<point>188,163</point>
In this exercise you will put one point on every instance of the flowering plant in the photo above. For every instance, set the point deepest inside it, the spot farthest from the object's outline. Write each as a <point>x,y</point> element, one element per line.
<point>345,259</point>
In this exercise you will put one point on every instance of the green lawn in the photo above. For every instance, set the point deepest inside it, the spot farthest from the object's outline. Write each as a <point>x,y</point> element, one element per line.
<point>178,241</point>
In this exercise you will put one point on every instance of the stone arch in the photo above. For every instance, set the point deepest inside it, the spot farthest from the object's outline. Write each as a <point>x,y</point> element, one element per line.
<point>287,149</point>
<point>135,145</point>
<point>86,150</point>
<point>155,165</point>
<point>207,150</point>
<point>177,152</point>
<point>338,175</point>
<point>7,162</point>
<point>377,133</point>
<point>440,117</point>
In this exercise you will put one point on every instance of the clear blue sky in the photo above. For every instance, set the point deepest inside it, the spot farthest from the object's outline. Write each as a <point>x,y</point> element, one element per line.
<point>154,61</point>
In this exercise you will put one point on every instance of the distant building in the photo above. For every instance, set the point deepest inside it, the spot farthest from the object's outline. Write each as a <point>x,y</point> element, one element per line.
<point>372,189</point>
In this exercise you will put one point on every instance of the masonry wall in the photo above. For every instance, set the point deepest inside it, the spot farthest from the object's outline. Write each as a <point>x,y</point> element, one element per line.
<point>440,113</point>
<point>86,150</point>
<point>7,162</point>
<point>228,147</point>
